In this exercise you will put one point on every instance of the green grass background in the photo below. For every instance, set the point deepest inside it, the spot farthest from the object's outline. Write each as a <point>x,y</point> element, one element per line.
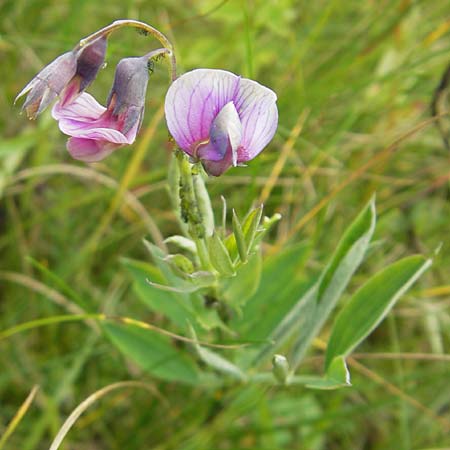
<point>358,75</point>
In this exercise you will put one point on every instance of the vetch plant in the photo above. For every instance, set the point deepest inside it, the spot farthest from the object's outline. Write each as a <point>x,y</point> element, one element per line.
<point>214,286</point>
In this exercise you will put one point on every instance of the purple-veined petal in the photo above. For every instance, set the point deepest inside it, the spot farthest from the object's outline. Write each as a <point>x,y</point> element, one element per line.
<point>98,134</point>
<point>86,118</point>
<point>194,100</point>
<point>89,150</point>
<point>225,136</point>
<point>217,168</point>
<point>257,109</point>
<point>84,109</point>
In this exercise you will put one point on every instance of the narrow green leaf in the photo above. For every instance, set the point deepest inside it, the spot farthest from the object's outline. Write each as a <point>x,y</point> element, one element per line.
<point>171,305</point>
<point>218,362</point>
<point>370,304</point>
<point>153,353</point>
<point>250,225</point>
<point>309,313</point>
<point>206,316</point>
<point>186,293</point>
<point>240,239</point>
<point>202,278</point>
<point>338,371</point>
<point>182,243</point>
<point>219,256</point>
<point>281,281</point>
<point>343,264</point>
<point>236,290</point>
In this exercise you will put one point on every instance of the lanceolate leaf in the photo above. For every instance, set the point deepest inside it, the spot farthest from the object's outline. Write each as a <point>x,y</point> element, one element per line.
<point>237,290</point>
<point>153,353</point>
<point>308,315</point>
<point>240,239</point>
<point>343,264</point>
<point>219,256</point>
<point>337,376</point>
<point>281,279</point>
<point>216,361</point>
<point>367,308</point>
<point>174,306</point>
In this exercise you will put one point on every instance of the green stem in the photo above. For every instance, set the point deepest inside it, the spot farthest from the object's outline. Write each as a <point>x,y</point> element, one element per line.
<point>141,26</point>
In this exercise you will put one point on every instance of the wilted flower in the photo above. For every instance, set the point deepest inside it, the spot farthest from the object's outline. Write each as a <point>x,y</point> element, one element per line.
<point>66,76</point>
<point>97,131</point>
<point>219,118</point>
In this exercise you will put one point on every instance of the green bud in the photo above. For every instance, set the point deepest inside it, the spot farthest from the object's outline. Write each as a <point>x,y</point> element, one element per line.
<point>280,368</point>
<point>181,263</point>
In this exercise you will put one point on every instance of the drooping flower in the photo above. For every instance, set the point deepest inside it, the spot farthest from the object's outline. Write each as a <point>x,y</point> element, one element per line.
<point>97,131</point>
<point>66,77</point>
<point>219,118</point>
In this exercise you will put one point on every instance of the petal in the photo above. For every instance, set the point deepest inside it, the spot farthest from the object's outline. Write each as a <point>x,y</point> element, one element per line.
<point>84,109</point>
<point>217,168</point>
<point>225,136</point>
<point>89,150</point>
<point>98,134</point>
<point>258,111</point>
<point>86,118</point>
<point>194,100</point>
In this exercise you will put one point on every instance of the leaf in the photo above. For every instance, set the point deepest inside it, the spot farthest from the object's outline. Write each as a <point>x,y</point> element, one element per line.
<point>159,259</point>
<point>219,256</point>
<point>217,361</point>
<point>153,353</point>
<point>183,243</point>
<point>207,316</point>
<point>343,264</point>
<point>237,290</point>
<point>337,376</point>
<point>281,281</point>
<point>240,238</point>
<point>176,306</point>
<point>171,305</point>
<point>250,226</point>
<point>370,304</point>
<point>308,315</point>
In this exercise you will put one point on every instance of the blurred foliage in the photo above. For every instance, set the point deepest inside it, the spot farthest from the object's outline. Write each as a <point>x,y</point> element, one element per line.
<point>358,75</point>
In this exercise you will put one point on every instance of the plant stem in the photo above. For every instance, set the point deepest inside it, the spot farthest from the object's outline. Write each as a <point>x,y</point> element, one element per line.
<point>141,26</point>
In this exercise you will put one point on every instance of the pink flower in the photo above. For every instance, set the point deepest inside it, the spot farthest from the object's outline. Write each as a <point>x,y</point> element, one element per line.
<point>97,131</point>
<point>219,118</point>
<point>66,77</point>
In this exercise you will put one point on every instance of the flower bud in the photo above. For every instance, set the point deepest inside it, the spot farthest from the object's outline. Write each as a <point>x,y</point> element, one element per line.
<point>280,368</point>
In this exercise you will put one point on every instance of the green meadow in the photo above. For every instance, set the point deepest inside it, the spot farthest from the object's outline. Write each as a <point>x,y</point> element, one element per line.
<point>355,82</point>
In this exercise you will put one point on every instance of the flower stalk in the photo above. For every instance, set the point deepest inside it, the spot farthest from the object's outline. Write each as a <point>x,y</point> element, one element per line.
<point>116,25</point>
<point>192,208</point>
